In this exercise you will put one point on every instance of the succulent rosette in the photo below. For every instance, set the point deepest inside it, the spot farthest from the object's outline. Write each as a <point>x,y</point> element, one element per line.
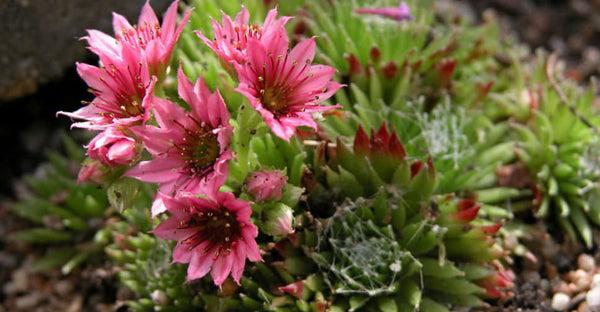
<point>190,149</point>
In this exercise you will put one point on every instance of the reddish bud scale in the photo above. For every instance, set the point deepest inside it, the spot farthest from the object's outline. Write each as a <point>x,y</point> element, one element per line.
<point>375,54</point>
<point>492,229</point>
<point>415,168</point>
<point>355,67</point>
<point>390,70</point>
<point>445,68</point>
<point>444,52</point>
<point>295,289</point>
<point>467,211</point>
<point>361,142</point>
<point>483,89</point>
<point>381,143</point>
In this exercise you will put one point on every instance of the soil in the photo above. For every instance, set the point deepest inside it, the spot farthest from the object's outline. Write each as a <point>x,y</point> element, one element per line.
<point>571,27</point>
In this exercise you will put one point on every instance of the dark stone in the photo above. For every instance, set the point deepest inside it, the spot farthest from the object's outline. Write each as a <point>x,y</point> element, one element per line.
<point>39,39</point>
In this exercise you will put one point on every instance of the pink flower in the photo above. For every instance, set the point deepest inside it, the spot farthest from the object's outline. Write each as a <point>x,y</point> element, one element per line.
<point>399,13</point>
<point>231,39</point>
<point>120,87</point>
<point>113,147</point>
<point>148,39</point>
<point>190,149</point>
<point>213,235</point>
<point>266,185</point>
<point>283,86</point>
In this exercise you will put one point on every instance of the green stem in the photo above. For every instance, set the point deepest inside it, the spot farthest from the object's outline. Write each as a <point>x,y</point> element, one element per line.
<point>247,122</point>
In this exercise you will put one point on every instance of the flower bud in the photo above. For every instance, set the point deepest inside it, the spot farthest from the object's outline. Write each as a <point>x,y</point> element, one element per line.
<point>277,220</point>
<point>266,185</point>
<point>113,147</point>
<point>94,172</point>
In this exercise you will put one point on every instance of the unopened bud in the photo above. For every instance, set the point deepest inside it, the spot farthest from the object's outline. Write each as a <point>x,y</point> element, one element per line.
<point>94,172</point>
<point>113,148</point>
<point>266,185</point>
<point>277,220</point>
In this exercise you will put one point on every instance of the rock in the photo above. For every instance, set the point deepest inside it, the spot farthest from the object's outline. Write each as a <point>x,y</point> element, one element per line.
<point>159,298</point>
<point>586,262</point>
<point>29,301</point>
<point>39,38</point>
<point>596,281</point>
<point>560,301</point>
<point>593,298</point>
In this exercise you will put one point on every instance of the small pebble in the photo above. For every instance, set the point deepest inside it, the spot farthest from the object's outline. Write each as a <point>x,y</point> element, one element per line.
<point>531,277</point>
<point>76,305</point>
<point>560,301</point>
<point>596,280</point>
<point>20,280</point>
<point>63,287</point>
<point>586,262</point>
<point>582,280</point>
<point>593,298</point>
<point>29,301</point>
<point>159,298</point>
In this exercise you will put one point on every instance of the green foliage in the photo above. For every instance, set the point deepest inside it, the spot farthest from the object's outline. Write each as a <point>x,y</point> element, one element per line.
<point>68,218</point>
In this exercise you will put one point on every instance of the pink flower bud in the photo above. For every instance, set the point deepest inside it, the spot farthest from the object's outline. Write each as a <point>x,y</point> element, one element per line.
<point>295,289</point>
<point>94,172</point>
<point>266,185</point>
<point>277,220</point>
<point>113,148</point>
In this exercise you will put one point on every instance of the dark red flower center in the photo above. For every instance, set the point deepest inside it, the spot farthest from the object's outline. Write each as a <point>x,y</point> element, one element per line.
<point>275,89</point>
<point>219,227</point>
<point>199,148</point>
<point>274,99</point>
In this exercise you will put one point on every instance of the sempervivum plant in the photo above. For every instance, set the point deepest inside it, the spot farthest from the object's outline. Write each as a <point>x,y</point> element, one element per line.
<point>553,143</point>
<point>268,194</point>
<point>70,219</point>
<point>390,237</point>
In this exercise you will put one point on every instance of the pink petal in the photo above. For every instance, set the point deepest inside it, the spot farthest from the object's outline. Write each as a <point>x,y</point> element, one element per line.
<point>221,268</point>
<point>168,229</point>
<point>303,52</point>
<point>199,265</point>
<point>158,170</point>
<point>148,16</point>
<point>252,251</point>
<point>169,20</point>
<point>156,140</point>
<point>158,206</point>
<point>182,253</point>
<point>237,269</point>
<point>120,24</point>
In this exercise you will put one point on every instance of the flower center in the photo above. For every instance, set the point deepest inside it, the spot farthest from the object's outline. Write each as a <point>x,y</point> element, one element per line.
<point>139,36</point>
<point>274,99</point>
<point>218,227</point>
<point>125,95</point>
<point>199,148</point>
